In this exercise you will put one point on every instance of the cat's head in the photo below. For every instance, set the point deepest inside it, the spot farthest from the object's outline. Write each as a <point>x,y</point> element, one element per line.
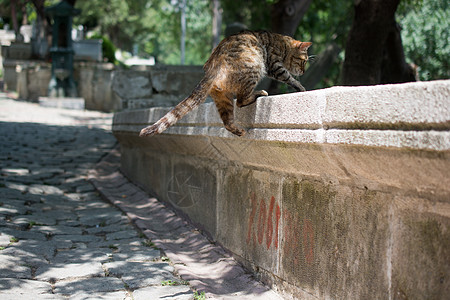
<point>298,57</point>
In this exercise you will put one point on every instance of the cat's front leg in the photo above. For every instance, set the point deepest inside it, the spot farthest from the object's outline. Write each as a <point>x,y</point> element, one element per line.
<point>296,85</point>
<point>280,73</point>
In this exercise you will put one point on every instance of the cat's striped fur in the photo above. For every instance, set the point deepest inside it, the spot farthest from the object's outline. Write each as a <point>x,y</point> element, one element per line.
<point>236,65</point>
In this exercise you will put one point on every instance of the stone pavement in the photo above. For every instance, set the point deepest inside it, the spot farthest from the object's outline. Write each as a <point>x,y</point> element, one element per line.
<point>206,266</point>
<point>60,240</point>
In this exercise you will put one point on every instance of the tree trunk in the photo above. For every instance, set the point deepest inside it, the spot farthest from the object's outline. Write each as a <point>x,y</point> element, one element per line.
<point>216,23</point>
<point>14,19</point>
<point>286,15</point>
<point>23,8</point>
<point>42,35</point>
<point>372,42</point>
<point>394,68</point>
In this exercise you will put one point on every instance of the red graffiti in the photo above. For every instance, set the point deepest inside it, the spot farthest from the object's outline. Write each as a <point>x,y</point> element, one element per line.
<point>261,221</point>
<point>264,218</point>
<point>269,223</point>
<point>298,237</point>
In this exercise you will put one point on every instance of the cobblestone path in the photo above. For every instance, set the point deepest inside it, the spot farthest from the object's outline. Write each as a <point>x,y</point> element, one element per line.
<point>58,238</point>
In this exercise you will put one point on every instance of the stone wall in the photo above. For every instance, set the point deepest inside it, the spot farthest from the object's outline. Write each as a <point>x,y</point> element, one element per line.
<point>158,86</point>
<point>95,86</point>
<point>94,82</point>
<point>342,193</point>
<point>106,88</point>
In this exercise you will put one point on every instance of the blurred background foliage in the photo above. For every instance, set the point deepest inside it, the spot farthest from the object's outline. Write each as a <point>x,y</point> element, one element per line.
<point>426,38</point>
<point>152,28</point>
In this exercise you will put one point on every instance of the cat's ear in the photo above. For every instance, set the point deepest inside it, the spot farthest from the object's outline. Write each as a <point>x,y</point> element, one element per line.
<point>305,45</point>
<point>296,44</point>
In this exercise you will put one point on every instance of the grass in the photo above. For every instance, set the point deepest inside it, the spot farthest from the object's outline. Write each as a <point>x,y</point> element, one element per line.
<point>200,296</point>
<point>174,283</point>
<point>148,243</point>
<point>113,247</point>
<point>31,224</point>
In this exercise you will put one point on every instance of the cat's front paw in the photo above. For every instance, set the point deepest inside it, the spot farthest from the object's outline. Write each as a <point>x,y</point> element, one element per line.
<point>300,88</point>
<point>261,93</point>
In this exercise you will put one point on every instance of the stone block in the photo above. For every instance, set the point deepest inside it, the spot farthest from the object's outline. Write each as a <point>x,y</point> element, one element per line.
<point>23,286</point>
<point>407,106</point>
<point>175,80</point>
<point>147,255</point>
<point>18,50</point>
<point>119,235</point>
<point>11,268</point>
<point>132,84</point>
<point>67,271</point>
<point>81,256</point>
<point>57,229</point>
<point>424,239</point>
<point>88,50</point>
<point>84,75</point>
<point>95,86</point>
<point>89,286</point>
<point>140,274</point>
<point>157,100</point>
<point>9,74</point>
<point>38,77</point>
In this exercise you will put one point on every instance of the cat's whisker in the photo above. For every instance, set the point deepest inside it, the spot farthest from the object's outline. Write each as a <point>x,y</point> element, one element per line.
<point>312,58</point>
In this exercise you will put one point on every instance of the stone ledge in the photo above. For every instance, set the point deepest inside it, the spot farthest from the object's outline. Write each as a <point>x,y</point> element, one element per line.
<point>413,115</point>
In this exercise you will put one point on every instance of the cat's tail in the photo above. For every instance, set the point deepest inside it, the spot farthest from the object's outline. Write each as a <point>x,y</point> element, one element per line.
<point>197,97</point>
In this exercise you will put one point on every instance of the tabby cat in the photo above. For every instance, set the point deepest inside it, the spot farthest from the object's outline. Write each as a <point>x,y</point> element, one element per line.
<point>236,65</point>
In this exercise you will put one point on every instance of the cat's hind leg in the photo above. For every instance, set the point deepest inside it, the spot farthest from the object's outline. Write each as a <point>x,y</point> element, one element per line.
<point>249,99</point>
<point>224,104</point>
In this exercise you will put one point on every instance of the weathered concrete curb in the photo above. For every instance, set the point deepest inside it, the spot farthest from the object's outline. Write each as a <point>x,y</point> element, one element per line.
<point>336,193</point>
<point>205,265</point>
